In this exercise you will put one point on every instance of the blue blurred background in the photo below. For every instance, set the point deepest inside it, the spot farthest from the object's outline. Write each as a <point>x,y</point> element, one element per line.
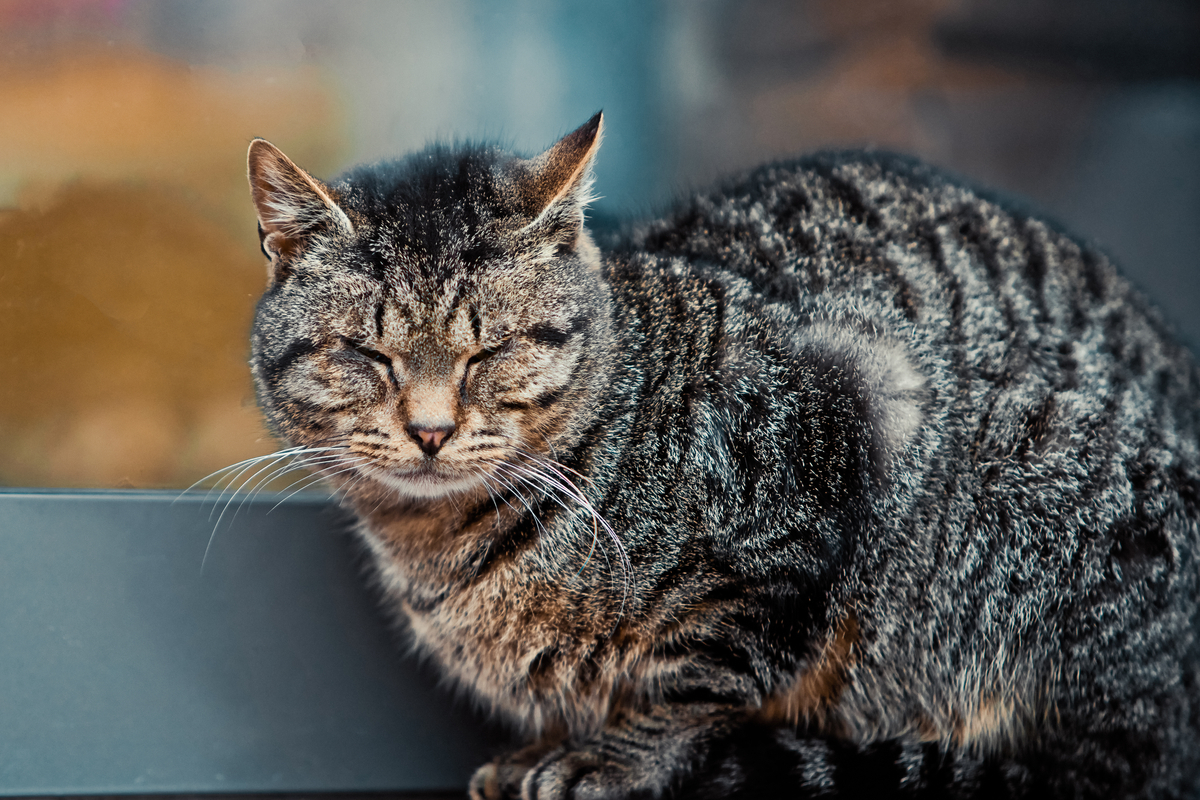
<point>128,256</point>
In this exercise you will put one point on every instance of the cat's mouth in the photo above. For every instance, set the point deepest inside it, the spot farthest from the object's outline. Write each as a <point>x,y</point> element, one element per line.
<point>427,480</point>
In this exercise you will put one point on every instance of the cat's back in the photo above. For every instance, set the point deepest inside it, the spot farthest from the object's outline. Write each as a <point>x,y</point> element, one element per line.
<point>1046,509</point>
<point>988,293</point>
<point>843,220</point>
<point>1058,405</point>
<point>1045,368</point>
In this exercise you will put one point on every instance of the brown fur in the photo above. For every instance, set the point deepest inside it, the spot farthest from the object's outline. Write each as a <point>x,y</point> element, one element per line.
<point>814,695</point>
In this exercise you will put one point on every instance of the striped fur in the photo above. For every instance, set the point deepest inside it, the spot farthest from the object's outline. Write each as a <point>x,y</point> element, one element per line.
<point>844,479</point>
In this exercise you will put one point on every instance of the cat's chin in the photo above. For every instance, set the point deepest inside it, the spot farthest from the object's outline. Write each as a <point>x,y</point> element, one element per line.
<point>423,484</point>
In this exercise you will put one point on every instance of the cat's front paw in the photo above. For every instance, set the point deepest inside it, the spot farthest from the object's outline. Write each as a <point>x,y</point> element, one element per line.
<point>584,775</point>
<point>496,781</point>
<point>501,779</point>
<point>560,776</point>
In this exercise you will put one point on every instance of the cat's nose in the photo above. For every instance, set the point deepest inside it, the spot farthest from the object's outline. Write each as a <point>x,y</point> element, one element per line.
<point>430,439</point>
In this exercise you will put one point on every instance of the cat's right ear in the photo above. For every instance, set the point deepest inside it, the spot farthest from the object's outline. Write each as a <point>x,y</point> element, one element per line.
<point>292,206</point>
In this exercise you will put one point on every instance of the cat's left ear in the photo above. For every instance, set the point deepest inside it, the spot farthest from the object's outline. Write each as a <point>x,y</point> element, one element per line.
<point>292,205</point>
<point>556,186</point>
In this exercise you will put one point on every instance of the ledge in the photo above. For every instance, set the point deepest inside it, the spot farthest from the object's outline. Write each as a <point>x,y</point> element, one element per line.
<point>134,663</point>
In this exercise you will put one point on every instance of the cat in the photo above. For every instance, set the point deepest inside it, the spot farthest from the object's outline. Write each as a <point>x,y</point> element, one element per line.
<point>843,479</point>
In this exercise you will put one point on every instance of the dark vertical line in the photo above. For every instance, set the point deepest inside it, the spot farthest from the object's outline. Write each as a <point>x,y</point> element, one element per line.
<point>1036,266</point>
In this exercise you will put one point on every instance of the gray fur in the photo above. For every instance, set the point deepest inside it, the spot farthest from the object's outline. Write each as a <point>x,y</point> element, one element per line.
<point>842,479</point>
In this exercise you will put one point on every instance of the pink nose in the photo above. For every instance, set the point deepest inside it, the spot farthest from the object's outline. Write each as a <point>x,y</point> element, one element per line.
<point>430,439</point>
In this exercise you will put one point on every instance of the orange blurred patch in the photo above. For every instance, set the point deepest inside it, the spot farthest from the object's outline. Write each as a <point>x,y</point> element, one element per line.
<point>130,267</point>
<point>132,115</point>
<point>124,316</point>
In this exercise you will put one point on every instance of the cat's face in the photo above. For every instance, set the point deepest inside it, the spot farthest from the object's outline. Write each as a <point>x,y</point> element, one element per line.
<point>430,319</point>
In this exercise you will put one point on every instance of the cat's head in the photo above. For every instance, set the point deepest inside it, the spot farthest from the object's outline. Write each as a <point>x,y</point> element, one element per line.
<point>431,317</point>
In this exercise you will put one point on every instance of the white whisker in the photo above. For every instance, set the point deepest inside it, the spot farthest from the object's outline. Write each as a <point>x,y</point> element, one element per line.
<point>258,479</point>
<point>595,529</point>
<point>551,475</point>
<point>577,494</point>
<point>483,478</point>
<point>320,476</point>
<point>225,470</point>
<point>293,465</point>
<point>223,473</point>
<point>316,462</point>
<point>504,499</point>
<point>517,493</point>
<point>257,473</point>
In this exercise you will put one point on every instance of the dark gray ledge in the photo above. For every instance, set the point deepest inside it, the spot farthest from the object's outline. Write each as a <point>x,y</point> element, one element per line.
<point>127,668</point>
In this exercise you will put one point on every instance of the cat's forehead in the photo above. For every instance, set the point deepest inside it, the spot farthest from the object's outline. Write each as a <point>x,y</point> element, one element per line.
<point>435,198</point>
<point>452,270</point>
<point>423,237</point>
<point>416,293</point>
<point>441,231</point>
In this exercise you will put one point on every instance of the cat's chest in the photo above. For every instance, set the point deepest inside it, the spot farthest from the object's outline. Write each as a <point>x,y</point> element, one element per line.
<point>530,637</point>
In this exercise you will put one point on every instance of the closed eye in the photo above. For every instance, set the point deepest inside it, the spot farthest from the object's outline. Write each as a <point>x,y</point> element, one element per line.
<point>488,352</point>
<point>482,355</point>
<point>369,352</point>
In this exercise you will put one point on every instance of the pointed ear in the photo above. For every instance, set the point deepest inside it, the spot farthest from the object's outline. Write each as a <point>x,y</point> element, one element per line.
<point>559,181</point>
<point>291,204</point>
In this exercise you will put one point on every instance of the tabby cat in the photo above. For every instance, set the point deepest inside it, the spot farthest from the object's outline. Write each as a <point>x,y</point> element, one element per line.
<point>845,479</point>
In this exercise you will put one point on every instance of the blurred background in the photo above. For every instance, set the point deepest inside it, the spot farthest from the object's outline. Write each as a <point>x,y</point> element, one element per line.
<point>129,262</point>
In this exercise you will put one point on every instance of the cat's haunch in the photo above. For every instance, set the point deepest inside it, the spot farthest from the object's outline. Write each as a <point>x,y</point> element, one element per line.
<point>843,479</point>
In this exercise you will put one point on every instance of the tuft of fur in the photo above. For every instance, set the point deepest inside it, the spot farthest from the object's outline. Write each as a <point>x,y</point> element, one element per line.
<point>840,479</point>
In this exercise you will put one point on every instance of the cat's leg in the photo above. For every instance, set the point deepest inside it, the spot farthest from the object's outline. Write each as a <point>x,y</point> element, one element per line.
<point>706,752</point>
<point>501,778</point>
<point>636,755</point>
